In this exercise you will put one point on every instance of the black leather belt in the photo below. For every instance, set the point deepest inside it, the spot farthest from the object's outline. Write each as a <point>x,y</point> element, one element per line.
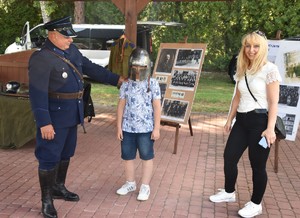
<point>260,111</point>
<point>59,95</point>
<point>256,111</point>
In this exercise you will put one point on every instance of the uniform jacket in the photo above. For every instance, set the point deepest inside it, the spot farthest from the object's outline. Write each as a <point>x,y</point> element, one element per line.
<point>47,72</point>
<point>119,56</point>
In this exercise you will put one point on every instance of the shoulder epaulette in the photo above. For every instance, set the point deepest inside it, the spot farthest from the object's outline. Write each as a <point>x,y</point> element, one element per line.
<point>114,43</point>
<point>132,45</point>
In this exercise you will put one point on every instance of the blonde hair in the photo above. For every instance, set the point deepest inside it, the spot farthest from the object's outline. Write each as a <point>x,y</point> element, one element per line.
<point>243,61</point>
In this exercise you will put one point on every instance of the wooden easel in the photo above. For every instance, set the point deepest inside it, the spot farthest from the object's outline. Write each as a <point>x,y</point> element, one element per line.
<point>276,155</point>
<point>177,126</point>
<point>184,96</point>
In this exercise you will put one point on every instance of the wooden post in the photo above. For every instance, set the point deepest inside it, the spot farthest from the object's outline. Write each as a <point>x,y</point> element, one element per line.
<point>276,155</point>
<point>176,139</point>
<point>130,9</point>
<point>190,126</point>
<point>177,125</point>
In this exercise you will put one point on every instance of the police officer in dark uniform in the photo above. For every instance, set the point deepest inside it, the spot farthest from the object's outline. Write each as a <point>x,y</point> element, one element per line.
<point>55,90</point>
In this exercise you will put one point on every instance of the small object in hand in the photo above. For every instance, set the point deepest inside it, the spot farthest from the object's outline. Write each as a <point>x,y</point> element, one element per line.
<point>263,142</point>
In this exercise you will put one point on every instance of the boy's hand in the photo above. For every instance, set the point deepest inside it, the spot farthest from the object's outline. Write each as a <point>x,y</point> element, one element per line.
<point>155,134</point>
<point>120,135</point>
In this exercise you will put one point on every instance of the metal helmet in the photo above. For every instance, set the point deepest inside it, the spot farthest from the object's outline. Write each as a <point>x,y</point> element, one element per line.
<point>12,87</point>
<point>139,67</point>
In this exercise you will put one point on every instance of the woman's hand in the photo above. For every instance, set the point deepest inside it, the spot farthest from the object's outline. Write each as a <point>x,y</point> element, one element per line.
<point>270,135</point>
<point>227,126</point>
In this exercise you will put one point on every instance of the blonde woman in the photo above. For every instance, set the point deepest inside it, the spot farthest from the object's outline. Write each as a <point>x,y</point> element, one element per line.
<point>251,123</point>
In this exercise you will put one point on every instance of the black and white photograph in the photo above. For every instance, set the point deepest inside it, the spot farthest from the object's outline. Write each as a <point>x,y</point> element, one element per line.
<point>174,110</point>
<point>292,67</point>
<point>291,125</point>
<point>289,121</point>
<point>163,87</point>
<point>188,58</point>
<point>289,95</point>
<point>289,109</point>
<point>183,79</point>
<point>166,60</point>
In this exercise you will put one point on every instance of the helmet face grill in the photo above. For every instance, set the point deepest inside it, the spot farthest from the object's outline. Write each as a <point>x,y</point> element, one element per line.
<point>139,65</point>
<point>139,73</point>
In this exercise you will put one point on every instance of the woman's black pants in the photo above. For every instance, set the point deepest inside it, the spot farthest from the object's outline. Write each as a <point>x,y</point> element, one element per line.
<point>246,133</point>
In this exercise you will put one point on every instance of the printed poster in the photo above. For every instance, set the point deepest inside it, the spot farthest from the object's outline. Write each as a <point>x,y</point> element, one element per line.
<point>178,69</point>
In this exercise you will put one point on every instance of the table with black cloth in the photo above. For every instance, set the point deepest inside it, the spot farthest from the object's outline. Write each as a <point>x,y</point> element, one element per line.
<point>17,126</point>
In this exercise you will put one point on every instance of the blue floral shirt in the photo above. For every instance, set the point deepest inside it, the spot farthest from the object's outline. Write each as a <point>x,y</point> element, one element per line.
<point>138,116</point>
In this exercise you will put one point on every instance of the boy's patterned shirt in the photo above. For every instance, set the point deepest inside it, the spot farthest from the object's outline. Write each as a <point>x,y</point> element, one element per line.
<point>138,116</point>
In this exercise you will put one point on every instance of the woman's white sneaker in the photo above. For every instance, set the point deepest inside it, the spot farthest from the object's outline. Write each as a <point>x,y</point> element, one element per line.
<point>250,210</point>
<point>222,196</point>
<point>126,188</point>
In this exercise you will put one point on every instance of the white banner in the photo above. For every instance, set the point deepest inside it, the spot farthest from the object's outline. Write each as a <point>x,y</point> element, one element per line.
<point>286,55</point>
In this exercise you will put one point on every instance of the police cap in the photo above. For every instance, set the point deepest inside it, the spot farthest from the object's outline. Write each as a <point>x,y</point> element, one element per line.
<point>61,25</point>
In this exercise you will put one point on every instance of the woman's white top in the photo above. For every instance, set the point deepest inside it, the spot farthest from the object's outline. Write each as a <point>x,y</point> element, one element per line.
<point>258,85</point>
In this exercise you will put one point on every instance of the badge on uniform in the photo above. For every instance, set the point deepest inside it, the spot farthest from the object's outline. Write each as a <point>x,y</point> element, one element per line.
<point>64,75</point>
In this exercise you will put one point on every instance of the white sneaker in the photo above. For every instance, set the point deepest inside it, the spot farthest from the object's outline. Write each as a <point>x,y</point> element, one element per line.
<point>222,196</point>
<point>250,210</point>
<point>126,188</point>
<point>144,193</point>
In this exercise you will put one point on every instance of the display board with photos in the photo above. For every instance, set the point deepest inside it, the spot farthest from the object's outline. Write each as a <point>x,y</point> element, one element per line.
<point>177,69</point>
<point>286,55</point>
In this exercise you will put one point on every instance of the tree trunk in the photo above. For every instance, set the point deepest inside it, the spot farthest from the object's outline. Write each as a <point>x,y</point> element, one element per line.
<point>79,12</point>
<point>44,12</point>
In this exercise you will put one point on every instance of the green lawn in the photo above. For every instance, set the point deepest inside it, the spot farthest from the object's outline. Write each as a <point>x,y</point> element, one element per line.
<point>213,94</point>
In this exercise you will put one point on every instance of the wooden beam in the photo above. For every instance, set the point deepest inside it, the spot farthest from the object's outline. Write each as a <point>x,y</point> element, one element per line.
<point>121,1</point>
<point>130,9</point>
<point>140,5</point>
<point>131,20</point>
<point>191,0</point>
<point>120,5</point>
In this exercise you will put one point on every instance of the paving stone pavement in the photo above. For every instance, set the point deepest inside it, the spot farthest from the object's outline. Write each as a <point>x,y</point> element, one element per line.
<point>181,183</point>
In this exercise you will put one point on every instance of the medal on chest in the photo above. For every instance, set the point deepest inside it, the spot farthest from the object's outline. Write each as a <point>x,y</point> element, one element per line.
<point>64,75</point>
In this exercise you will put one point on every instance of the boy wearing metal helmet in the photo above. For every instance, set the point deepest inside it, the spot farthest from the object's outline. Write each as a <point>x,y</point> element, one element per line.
<point>138,121</point>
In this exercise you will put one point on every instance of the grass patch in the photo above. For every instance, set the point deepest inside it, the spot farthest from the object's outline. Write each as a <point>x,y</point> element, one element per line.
<point>213,94</point>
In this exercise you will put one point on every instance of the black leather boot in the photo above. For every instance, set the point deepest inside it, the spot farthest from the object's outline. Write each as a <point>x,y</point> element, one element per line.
<point>46,178</point>
<point>59,189</point>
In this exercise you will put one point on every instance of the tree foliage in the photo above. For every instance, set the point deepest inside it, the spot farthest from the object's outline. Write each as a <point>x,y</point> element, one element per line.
<point>13,15</point>
<point>103,13</point>
<point>222,24</point>
<point>219,24</point>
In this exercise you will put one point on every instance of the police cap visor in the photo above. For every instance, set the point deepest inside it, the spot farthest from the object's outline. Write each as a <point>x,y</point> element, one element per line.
<point>66,31</point>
